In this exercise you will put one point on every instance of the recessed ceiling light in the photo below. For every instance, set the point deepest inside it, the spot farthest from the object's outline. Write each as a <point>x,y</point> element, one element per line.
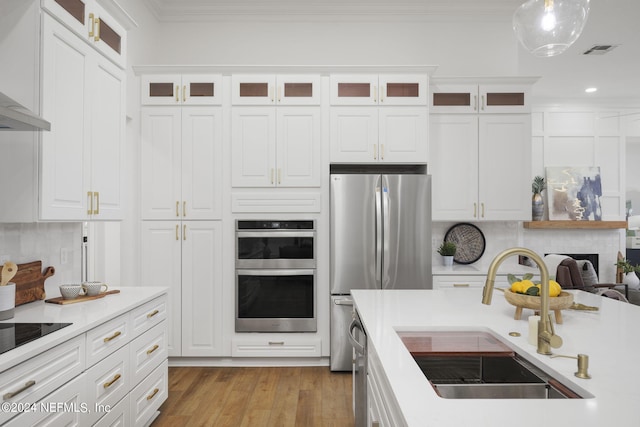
<point>591,89</point>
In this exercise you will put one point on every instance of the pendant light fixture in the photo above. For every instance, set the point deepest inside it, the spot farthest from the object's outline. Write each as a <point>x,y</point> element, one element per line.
<point>549,27</point>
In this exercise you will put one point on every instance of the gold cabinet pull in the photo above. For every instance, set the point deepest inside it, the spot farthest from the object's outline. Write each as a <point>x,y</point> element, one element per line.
<point>475,102</point>
<point>90,200</point>
<point>184,209</point>
<point>152,349</point>
<point>270,93</point>
<point>482,206</point>
<point>475,210</point>
<point>461,285</point>
<point>153,313</point>
<point>155,391</point>
<point>279,176</point>
<point>276,342</point>
<point>375,152</point>
<point>92,24</point>
<point>96,194</point>
<point>184,93</point>
<point>13,394</point>
<point>184,232</point>
<point>278,94</point>
<point>375,94</point>
<point>177,231</point>
<point>114,336</point>
<point>177,93</point>
<point>178,208</point>
<point>96,36</point>
<point>482,99</point>
<point>381,151</point>
<point>110,383</point>
<point>381,94</point>
<point>271,176</point>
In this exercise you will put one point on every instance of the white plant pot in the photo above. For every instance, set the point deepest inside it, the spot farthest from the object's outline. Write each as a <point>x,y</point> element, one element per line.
<point>632,280</point>
<point>7,300</point>
<point>447,261</point>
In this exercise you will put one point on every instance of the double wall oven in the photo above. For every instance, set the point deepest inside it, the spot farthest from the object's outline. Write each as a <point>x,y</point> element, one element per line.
<point>275,276</point>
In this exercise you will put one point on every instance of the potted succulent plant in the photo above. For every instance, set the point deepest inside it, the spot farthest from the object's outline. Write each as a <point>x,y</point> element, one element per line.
<point>537,202</point>
<point>447,250</point>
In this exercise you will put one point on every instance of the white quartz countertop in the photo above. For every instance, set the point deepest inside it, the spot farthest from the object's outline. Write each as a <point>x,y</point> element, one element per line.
<point>83,316</point>
<point>609,337</point>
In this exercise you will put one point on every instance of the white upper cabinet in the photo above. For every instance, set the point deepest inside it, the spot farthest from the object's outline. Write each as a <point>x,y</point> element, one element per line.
<point>82,156</point>
<point>480,167</point>
<point>275,147</point>
<point>270,89</point>
<point>478,98</point>
<point>379,118</point>
<point>181,163</point>
<point>182,89</point>
<point>88,20</point>
<point>384,89</point>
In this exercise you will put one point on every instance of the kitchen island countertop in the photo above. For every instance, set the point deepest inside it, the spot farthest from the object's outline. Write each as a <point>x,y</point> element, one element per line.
<point>609,337</point>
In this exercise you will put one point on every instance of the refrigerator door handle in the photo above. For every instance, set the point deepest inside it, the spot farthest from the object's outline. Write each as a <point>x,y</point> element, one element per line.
<point>386,258</point>
<point>346,301</point>
<point>379,236</point>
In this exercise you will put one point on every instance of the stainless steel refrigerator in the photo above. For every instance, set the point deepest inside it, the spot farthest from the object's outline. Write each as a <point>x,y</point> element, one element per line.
<point>380,239</point>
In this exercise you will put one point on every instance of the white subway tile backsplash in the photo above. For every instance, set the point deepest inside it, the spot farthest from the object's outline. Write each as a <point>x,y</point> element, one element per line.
<point>43,241</point>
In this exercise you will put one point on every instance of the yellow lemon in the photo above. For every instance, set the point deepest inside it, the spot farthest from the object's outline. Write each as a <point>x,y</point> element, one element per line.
<point>526,284</point>
<point>554,288</point>
<point>517,287</point>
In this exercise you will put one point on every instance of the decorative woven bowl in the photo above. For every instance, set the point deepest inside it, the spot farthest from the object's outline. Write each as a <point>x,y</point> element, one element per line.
<point>562,301</point>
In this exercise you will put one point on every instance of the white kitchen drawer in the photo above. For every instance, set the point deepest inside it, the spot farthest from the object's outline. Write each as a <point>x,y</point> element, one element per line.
<point>63,407</point>
<point>147,352</point>
<point>107,338</point>
<point>33,379</point>
<point>108,381</point>
<point>147,397</point>
<point>458,282</point>
<point>148,315</point>
<point>278,347</point>
<point>117,416</point>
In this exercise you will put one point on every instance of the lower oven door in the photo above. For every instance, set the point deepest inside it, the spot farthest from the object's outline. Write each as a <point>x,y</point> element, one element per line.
<point>276,300</point>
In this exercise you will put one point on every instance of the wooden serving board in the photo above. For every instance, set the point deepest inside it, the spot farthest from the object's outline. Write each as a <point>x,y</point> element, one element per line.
<point>81,298</point>
<point>29,280</point>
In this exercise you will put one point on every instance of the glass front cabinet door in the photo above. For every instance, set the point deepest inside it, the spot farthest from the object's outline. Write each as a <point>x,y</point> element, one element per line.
<point>185,89</point>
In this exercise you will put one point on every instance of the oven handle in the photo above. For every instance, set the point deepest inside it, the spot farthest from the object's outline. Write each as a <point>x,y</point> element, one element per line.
<point>275,272</point>
<point>263,234</point>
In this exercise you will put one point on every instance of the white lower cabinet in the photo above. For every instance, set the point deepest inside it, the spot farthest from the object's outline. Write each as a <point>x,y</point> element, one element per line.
<point>382,407</point>
<point>274,345</point>
<point>190,254</point>
<point>108,376</point>
<point>458,282</point>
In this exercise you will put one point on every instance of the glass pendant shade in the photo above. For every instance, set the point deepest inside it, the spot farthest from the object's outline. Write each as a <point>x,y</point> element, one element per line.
<point>549,27</point>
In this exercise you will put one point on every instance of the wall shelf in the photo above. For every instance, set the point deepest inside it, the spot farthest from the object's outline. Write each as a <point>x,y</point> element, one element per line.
<point>581,225</point>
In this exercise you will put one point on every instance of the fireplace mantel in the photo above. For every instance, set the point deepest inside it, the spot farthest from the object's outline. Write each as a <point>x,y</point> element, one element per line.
<point>581,225</point>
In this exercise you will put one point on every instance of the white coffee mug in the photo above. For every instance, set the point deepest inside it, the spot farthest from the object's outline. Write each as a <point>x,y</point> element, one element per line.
<point>94,288</point>
<point>71,291</point>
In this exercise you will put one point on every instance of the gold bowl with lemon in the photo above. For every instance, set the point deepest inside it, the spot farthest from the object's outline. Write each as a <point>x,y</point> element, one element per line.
<point>525,294</point>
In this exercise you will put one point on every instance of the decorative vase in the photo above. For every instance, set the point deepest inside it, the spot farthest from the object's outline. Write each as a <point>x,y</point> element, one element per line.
<point>447,260</point>
<point>632,280</point>
<point>537,207</point>
<point>7,300</point>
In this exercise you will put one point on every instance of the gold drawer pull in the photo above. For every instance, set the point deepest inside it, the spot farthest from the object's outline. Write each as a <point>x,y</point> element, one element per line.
<point>12,394</point>
<point>116,378</point>
<point>152,349</point>
<point>153,313</point>
<point>155,391</point>
<point>115,335</point>
<point>460,285</point>
<point>276,342</point>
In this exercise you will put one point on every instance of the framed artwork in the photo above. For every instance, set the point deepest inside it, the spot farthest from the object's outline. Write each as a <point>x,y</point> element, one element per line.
<point>574,193</point>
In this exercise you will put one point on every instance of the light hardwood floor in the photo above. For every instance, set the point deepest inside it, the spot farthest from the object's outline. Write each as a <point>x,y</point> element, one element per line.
<point>256,396</point>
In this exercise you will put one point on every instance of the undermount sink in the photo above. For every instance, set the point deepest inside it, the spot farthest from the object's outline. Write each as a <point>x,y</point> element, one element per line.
<point>476,365</point>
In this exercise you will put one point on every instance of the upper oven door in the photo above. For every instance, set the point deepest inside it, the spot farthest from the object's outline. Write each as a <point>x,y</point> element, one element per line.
<point>275,249</point>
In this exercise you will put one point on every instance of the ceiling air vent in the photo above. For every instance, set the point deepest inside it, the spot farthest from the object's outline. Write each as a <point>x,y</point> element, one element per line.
<point>600,49</point>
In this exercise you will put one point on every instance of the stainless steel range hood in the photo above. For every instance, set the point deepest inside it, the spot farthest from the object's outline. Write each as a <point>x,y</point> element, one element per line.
<point>14,116</point>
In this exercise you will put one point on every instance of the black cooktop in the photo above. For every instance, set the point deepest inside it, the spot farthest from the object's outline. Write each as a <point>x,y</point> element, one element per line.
<point>13,335</point>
